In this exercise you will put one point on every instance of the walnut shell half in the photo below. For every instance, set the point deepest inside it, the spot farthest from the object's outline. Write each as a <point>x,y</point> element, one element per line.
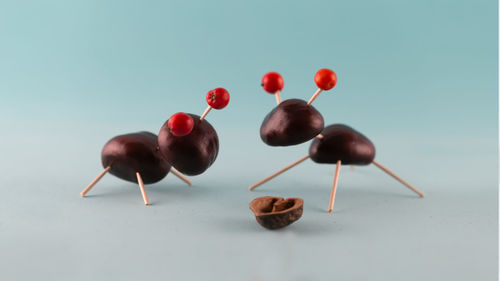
<point>276,212</point>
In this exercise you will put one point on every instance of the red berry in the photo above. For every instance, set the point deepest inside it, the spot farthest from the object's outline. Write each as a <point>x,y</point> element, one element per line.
<point>218,98</point>
<point>325,79</point>
<point>272,82</point>
<point>180,124</point>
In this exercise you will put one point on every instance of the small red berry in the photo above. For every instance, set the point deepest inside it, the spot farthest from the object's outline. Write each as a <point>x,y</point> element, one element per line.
<point>325,79</point>
<point>180,124</point>
<point>272,82</point>
<point>218,98</point>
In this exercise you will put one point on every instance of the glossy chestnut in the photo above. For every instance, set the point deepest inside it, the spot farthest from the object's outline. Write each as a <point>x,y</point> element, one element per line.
<point>131,153</point>
<point>291,122</point>
<point>341,142</point>
<point>191,154</point>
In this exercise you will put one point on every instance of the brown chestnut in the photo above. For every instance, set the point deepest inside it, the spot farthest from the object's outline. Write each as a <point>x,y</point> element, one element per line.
<point>193,153</point>
<point>341,142</point>
<point>134,153</point>
<point>291,122</point>
<point>276,212</point>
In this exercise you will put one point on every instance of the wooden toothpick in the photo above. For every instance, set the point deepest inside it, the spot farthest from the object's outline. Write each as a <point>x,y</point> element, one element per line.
<point>398,178</point>
<point>205,113</point>
<point>314,96</point>
<point>334,187</point>
<point>279,172</point>
<point>141,187</point>
<point>180,176</point>
<point>94,181</point>
<point>278,97</point>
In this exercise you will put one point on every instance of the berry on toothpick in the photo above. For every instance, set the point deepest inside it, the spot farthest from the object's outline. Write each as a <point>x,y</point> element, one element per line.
<point>273,83</point>
<point>325,79</point>
<point>180,124</point>
<point>217,98</point>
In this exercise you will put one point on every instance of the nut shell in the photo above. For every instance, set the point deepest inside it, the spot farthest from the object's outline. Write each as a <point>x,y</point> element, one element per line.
<point>276,212</point>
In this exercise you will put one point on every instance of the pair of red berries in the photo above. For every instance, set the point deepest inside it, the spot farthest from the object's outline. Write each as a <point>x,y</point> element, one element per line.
<point>181,124</point>
<point>325,79</point>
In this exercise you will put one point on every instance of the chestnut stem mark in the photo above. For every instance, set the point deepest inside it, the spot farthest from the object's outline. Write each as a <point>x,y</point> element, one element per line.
<point>314,96</point>
<point>205,113</point>
<point>180,176</point>
<point>398,178</point>
<point>94,181</point>
<point>278,97</point>
<point>334,187</point>
<point>279,172</point>
<point>141,187</point>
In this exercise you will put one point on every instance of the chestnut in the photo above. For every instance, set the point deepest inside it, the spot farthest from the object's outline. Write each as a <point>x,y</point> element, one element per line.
<point>193,153</point>
<point>292,122</point>
<point>276,212</point>
<point>341,142</point>
<point>134,157</point>
<point>134,153</point>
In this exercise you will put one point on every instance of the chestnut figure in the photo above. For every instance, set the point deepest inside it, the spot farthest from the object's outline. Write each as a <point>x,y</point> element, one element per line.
<point>135,153</point>
<point>295,121</point>
<point>276,212</point>
<point>193,153</point>
<point>341,142</point>
<point>185,142</point>
<point>292,122</point>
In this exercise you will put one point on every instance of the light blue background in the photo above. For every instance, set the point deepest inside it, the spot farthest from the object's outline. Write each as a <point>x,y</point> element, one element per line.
<point>418,77</point>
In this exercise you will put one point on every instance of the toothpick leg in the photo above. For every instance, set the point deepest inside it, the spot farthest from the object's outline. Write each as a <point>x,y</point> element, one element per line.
<point>205,113</point>
<point>398,178</point>
<point>143,190</point>
<point>334,187</point>
<point>180,176</point>
<point>278,97</point>
<point>314,96</point>
<point>94,181</point>
<point>279,172</point>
